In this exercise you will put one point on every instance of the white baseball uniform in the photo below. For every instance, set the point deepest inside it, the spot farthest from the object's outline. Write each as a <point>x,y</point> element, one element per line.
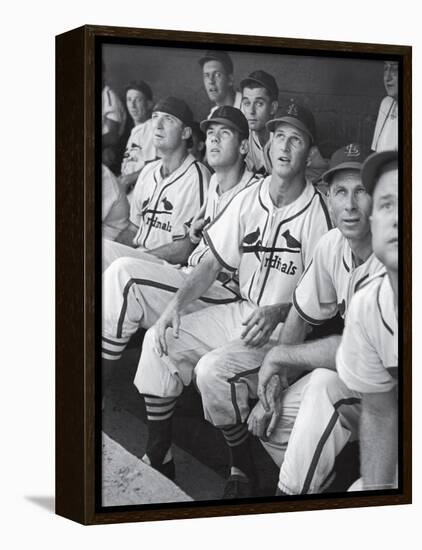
<point>313,441</point>
<point>161,207</point>
<point>139,148</point>
<point>112,109</point>
<point>386,134</point>
<point>367,359</point>
<point>115,206</point>
<point>257,159</point>
<point>268,247</point>
<point>136,291</point>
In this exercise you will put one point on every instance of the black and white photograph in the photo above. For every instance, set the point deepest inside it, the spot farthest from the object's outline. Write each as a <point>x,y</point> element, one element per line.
<point>250,274</point>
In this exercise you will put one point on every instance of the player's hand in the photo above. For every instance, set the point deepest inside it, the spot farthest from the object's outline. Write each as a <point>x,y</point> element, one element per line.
<point>272,379</point>
<point>261,323</point>
<point>169,318</point>
<point>258,420</point>
<point>195,230</point>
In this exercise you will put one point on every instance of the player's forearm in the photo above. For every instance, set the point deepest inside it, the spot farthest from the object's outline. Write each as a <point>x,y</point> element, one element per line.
<point>378,440</point>
<point>294,329</point>
<point>127,235</point>
<point>126,180</point>
<point>316,354</point>
<point>176,252</point>
<point>198,282</point>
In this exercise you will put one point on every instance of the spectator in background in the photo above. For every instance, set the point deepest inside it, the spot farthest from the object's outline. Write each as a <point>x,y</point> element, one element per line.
<point>217,70</point>
<point>386,128</point>
<point>197,146</point>
<point>140,148</point>
<point>113,124</point>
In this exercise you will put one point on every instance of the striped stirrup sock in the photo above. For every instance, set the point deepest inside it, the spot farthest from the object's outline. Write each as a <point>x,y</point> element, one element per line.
<point>113,349</point>
<point>159,419</point>
<point>237,439</point>
<point>235,435</point>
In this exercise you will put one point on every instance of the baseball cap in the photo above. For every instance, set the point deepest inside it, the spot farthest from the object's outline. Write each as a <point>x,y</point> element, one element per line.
<point>373,165</point>
<point>231,117</point>
<point>176,107</point>
<point>297,115</point>
<point>141,86</point>
<point>350,156</point>
<point>218,55</point>
<point>262,79</point>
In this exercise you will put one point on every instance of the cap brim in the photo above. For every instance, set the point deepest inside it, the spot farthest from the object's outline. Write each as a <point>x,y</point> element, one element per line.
<point>372,166</point>
<point>244,84</point>
<point>271,124</point>
<point>221,120</point>
<point>326,176</point>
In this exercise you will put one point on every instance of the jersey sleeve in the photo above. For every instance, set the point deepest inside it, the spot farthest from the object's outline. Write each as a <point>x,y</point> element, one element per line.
<point>315,297</point>
<point>195,192</point>
<point>358,362</point>
<point>110,193</point>
<point>138,199</point>
<point>224,235</point>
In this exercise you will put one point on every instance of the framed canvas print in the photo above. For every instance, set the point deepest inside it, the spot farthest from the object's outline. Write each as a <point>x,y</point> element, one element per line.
<point>233,274</point>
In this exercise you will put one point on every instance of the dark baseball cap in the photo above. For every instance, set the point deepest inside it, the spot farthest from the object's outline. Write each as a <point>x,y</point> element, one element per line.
<point>141,86</point>
<point>373,166</point>
<point>297,115</point>
<point>231,117</point>
<point>217,55</point>
<point>263,79</point>
<point>350,157</point>
<point>176,107</point>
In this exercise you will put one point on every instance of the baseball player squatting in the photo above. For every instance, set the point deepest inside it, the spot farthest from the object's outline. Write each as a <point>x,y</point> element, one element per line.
<point>136,291</point>
<point>168,192</point>
<point>259,105</point>
<point>367,360</point>
<point>342,261</point>
<point>273,227</point>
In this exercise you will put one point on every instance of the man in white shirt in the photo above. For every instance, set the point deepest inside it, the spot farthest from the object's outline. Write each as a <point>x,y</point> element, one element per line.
<point>386,135</point>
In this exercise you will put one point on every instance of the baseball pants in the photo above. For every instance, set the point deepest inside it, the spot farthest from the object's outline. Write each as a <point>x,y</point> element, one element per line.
<point>136,292</point>
<point>208,350</point>
<point>319,416</point>
<point>112,250</point>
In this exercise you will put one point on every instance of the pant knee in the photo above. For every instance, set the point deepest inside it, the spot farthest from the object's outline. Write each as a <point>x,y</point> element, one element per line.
<point>206,373</point>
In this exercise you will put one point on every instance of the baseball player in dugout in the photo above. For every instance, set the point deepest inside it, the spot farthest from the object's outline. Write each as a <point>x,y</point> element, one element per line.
<point>168,192</point>
<point>304,444</point>
<point>136,291</point>
<point>274,226</point>
<point>386,133</point>
<point>259,105</point>
<point>217,73</point>
<point>367,360</point>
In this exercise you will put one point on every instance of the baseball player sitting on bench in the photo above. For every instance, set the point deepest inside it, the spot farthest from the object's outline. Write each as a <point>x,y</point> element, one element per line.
<point>136,291</point>
<point>169,191</point>
<point>217,74</point>
<point>259,105</point>
<point>367,360</point>
<point>139,148</point>
<point>267,234</point>
<point>342,261</point>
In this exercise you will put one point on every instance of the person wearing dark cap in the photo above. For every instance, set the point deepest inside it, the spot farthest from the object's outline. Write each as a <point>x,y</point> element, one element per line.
<point>342,261</point>
<point>367,360</point>
<point>217,72</point>
<point>152,285</point>
<point>168,192</point>
<point>259,105</point>
<point>140,148</point>
<point>265,236</point>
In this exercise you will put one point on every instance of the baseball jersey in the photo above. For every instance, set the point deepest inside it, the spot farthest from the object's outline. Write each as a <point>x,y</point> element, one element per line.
<point>367,359</point>
<point>115,206</point>
<point>112,109</point>
<point>331,279</point>
<point>269,246</point>
<point>161,207</point>
<point>215,204</point>
<point>139,148</point>
<point>386,134</point>
<point>237,103</point>
<point>257,159</point>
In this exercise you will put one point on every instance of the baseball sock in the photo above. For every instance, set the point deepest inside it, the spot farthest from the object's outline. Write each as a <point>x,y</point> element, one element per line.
<point>159,416</point>
<point>237,439</point>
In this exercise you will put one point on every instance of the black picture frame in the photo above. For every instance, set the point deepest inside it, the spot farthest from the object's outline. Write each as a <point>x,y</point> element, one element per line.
<point>78,257</point>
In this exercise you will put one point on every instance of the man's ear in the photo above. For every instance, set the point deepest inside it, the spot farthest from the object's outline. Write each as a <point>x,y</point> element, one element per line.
<point>186,132</point>
<point>311,153</point>
<point>274,107</point>
<point>244,147</point>
<point>230,80</point>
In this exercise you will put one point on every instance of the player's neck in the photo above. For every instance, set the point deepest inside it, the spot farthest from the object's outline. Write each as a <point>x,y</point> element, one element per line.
<point>361,248</point>
<point>228,98</point>
<point>283,192</point>
<point>263,136</point>
<point>229,176</point>
<point>394,281</point>
<point>172,161</point>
